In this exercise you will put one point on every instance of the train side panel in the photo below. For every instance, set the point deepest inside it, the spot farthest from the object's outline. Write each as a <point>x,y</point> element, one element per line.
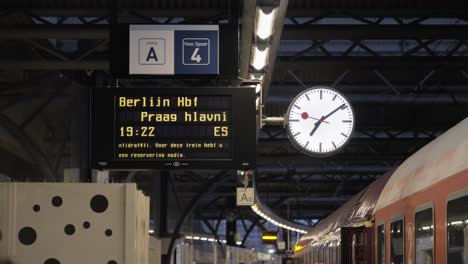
<point>438,195</point>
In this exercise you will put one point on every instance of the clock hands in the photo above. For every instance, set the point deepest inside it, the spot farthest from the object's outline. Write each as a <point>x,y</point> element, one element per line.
<point>322,119</point>
<point>326,122</point>
<point>316,126</point>
<point>332,112</point>
<point>305,115</point>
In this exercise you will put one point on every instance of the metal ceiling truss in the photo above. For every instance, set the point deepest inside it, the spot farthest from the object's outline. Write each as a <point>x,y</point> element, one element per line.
<point>77,39</point>
<point>47,152</point>
<point>385,133</point>
<point>58,35</point>
<point>371,16</point>
<point>355,42</point>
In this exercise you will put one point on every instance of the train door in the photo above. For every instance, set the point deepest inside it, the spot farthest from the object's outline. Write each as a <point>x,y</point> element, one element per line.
<point>356,245</point>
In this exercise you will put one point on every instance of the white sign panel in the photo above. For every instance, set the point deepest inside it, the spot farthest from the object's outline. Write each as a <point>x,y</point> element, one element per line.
<point>173,49</point>
<point>151,51</point>
<point>245,196</point>
<point>281,245</point>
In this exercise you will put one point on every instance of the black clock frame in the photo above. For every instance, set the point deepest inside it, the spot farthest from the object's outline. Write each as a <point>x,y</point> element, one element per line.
<point>297,145</point>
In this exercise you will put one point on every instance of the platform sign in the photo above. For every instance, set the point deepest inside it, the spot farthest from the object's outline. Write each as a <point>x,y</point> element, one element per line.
<point>173,50</point>
<point>204,128</point>
<point>198,52</point>
<point>245,196</point>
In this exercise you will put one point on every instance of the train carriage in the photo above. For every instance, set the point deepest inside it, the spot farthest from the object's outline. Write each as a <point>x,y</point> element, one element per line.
<point>417,213</point>
<point>422,213</point>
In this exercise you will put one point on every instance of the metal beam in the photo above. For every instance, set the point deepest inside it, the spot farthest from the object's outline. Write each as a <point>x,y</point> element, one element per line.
<point>406,87</point>
<point>275,45</point>
<point>284,63</point>
<point>40,159</point>
<point>37,64</point>
<point>210,187</point>
<point>373,98</point>
<point>51,31</point>
<point>443,11</point>
<point>98,12</point>
<point>270,168</point>
<point>248,24</point>
<point>364,32</point>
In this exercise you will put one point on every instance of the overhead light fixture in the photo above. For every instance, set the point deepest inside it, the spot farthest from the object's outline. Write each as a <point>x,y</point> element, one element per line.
<point>283,225</point>
<point>257,76</point>
<point>258,88</point>
<point>269,237</point>
<point>298,248</point>
<point>151,231</point>
<point>271,251</point>
<point>260,55</point>
<point>264,21</point>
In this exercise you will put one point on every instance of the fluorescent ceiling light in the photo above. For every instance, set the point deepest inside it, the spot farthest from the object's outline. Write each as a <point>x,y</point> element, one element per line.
<point>238,243</point>
<point>260,55</point>
<point>264,21</point>
<point>256,76</point>
<point>258,88</point>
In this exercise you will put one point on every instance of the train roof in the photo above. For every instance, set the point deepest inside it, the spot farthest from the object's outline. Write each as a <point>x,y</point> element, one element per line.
<point>442,158</point>
<point>438,160</point>
<point>356,211</point>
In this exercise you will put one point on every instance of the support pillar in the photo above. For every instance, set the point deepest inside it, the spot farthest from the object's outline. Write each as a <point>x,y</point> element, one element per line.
<point>159,207</point>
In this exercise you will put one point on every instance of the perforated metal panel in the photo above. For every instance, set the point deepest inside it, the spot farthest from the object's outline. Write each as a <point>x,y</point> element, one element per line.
<point>74,223</point>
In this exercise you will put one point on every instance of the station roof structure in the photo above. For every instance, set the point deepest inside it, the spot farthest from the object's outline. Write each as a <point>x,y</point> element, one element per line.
<point>402,64</point>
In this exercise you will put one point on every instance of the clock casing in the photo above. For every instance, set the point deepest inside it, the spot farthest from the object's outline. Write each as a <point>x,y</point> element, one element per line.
<point>320,121</point>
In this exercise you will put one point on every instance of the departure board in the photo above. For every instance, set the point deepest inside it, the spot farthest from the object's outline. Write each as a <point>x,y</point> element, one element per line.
<point>173,128</point>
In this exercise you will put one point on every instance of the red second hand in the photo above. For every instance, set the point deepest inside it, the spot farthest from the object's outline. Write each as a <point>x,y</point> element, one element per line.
<point>326,122</point>
<point>305,115</point>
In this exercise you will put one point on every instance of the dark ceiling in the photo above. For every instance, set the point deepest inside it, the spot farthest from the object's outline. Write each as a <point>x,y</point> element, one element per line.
<point>403,65</point>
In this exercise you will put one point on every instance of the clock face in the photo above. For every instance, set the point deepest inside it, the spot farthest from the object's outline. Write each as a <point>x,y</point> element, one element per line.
<point>320,121</point>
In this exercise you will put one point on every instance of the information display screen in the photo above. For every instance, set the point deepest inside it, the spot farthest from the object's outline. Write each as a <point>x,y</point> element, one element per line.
<point>179,128</point>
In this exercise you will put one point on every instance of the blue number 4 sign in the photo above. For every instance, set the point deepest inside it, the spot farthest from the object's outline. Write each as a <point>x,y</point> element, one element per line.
<point>195,51</point>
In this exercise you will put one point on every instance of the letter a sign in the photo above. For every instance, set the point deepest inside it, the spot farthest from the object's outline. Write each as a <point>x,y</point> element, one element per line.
<point>173,50</point>
<point>151,55</point>
<point>245,196</point>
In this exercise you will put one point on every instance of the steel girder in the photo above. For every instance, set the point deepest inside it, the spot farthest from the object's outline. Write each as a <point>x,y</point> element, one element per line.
<point>366,32</point>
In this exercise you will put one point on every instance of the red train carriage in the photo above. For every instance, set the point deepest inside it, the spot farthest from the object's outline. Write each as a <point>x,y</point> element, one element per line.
<point>415,214</point>
<point>345,233</point>
<point>422,214</point>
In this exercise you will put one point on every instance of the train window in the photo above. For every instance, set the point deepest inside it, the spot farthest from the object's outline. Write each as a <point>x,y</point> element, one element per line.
<point>424,236</point>
<point>457,231</point>
<point>381,244</point>
<point>397,248</point>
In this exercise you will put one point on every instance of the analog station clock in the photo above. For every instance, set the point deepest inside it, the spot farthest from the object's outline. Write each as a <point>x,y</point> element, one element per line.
<point>320,121</point>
